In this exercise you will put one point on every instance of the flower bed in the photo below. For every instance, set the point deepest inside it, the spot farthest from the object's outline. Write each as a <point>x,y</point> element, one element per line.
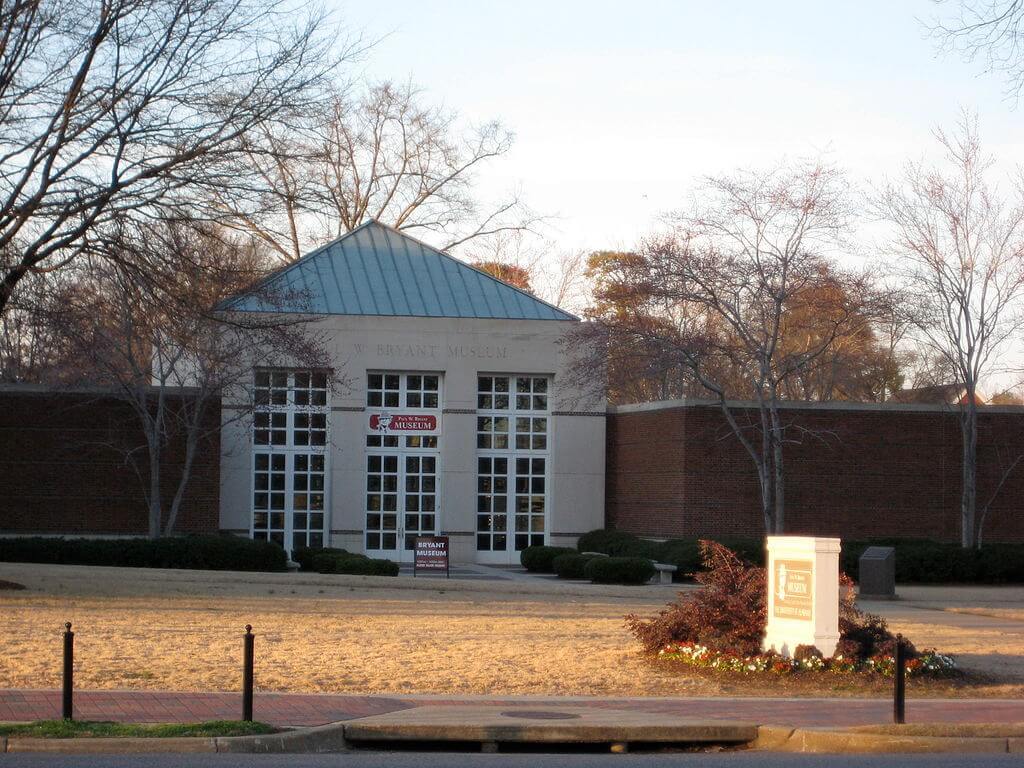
<point>927,663</point>
<point>721,627</point>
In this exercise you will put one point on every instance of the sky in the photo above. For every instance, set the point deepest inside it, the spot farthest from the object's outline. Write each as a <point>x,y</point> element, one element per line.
<point>619,108</point>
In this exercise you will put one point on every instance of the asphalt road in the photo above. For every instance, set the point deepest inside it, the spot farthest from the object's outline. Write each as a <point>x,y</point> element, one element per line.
<point>450,760</point>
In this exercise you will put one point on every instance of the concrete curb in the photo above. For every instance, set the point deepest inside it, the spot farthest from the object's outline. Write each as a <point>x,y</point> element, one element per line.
<point>335,737</point>
<point>810,740</point>
<point>113,746</point>
<point>322,738</point>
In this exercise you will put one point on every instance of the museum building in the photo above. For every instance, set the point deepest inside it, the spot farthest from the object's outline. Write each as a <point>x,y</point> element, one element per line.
<point>454,414</point>
<point>446,404</point>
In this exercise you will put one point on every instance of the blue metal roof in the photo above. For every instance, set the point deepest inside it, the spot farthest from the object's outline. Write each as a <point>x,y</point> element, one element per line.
<point>377,270</point>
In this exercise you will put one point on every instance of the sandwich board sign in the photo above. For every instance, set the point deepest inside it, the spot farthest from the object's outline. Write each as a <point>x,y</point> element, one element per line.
<point>803,594</point>
<point>431,554</point>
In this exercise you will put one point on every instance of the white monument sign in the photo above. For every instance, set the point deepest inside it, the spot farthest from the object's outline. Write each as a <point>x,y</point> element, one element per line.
<point>803,594</point>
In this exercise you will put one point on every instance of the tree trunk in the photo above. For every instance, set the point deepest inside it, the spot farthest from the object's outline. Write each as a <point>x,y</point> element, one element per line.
<point>154,490</point>
<point>767,505</point>
<point>192,441</point>
<point>779,475</point>
<point>767,470</point>
<point>969,494</point>
<point>764,475</point>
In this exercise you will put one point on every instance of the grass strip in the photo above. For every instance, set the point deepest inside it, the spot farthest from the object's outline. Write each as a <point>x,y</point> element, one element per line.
<point>68,729</point>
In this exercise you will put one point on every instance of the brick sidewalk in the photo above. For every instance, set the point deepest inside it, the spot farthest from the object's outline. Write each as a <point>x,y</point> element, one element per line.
<point>316,709</point>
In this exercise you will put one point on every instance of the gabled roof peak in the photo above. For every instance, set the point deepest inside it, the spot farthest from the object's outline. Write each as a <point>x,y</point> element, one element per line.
<point>378,270</point>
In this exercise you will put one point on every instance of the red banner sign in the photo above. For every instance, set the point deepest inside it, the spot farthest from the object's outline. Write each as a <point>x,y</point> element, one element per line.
<point>399,423</point>
<point>431,554</point>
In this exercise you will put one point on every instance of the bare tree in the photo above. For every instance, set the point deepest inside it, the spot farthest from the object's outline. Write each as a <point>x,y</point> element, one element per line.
<point>30,351</point>
<point>382,154</point>
<point>556,276</point>
<point>960,250</point>
<point>155,342</point>
<point>727,297</point>
<point>990,31</point>
<point>110,108</point>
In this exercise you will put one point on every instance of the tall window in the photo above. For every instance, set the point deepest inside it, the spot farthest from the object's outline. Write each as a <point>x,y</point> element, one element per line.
<point>512,424</point>
<point>289,437</point>
<point>402,489</point>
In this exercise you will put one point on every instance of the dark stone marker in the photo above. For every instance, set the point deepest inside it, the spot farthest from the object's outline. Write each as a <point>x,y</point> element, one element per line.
<point>878,573</point>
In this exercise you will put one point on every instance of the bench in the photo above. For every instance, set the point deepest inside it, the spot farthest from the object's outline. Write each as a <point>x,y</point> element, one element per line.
<point>664,573</point>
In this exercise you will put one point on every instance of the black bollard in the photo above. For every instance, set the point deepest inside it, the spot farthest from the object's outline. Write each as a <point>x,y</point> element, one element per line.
<point>247,662</point>
<point>69,673</point>
<point>899,702</point>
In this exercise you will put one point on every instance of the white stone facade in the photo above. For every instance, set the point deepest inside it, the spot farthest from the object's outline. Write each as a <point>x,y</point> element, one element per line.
<point>551,456</point>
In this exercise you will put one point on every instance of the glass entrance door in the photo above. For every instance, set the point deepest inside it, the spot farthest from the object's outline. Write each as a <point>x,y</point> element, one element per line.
<point>513,427</point>
<point>401,502</point>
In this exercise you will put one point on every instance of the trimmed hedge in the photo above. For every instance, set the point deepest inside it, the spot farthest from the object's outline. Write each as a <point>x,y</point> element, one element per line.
<point>352,564</point>
<point>931,562</point>
<point>541,559</point>
<point>304,555</point>
<point>684,554</point>
<point>918,561</point>
<point>619,570</point>
<point>571,565</point>
<point>214,553</point>
<point>614,543</point>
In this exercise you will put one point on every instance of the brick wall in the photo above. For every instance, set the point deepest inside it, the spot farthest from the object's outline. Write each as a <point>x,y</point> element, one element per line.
<point>852,472</point>
<point>63,467</point>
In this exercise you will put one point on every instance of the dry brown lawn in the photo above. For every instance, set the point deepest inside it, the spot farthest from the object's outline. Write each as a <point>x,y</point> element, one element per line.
<point>137,630</point>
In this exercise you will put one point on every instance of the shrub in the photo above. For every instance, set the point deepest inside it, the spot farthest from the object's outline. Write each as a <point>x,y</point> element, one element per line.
<point>684,554</point>
<point>729,614</point>
<point>540,559</point>
<point>931,562</point>
<point>619,570</point>
<point>304,555</point>
<point>352,564</point>
<point>614,543</point>
<point>570,565</point>
<point>208,552</point>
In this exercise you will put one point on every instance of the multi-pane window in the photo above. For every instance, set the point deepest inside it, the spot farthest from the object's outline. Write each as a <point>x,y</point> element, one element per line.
<point>403,390</point>
<point>421,391</point>
<point>492,503</point>
<point>513,425</point>
<point>492,393</point>
<point>310,429</point>
<point>308,500</point>
<point>530,502</point>
<point>383,390</point>
<point>271,388</point>
<point>492,432</point>
<point>381,502</point>
<point>396,441</point>
<point>310,389</point>
<point>270,428</point>
<point>531,393</point>
<point>531,432</point>
<point>269,496</point>
<point>290,436</point>
<point>420,497</point>
<point>402,492</point>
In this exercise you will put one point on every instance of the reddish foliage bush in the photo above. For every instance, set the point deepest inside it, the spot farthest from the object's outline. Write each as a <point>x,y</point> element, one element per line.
<point>729,613</point>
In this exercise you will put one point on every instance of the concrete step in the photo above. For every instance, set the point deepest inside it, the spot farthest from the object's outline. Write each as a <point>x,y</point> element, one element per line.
<point>521,724</point>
